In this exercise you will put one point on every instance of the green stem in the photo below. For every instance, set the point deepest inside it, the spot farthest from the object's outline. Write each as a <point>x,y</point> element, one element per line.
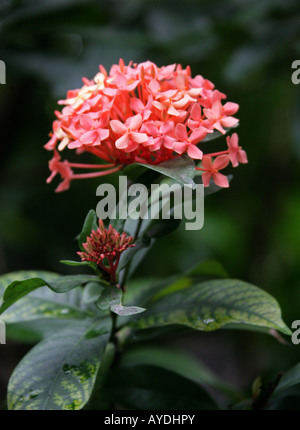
<point>126,270</point>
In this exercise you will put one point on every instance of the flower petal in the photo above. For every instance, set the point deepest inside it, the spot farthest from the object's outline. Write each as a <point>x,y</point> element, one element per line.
<point>118,127</point>
<point>122,142</point>
<point>220,180</point>
<point>221,162</point>
<point>194,152</point>
<point>181,133</point>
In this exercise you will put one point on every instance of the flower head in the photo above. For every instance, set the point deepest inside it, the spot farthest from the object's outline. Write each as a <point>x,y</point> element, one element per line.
<point>104,247</point>
<point>140,113</point>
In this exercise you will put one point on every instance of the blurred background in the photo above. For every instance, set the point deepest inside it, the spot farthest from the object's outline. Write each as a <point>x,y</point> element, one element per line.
<point>246,47</point>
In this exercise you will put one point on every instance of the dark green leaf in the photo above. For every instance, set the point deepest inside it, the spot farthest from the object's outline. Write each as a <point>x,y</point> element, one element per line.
<point>143,242</point>
<point>178,362</point>
<point>90,224</point>
<point>92,292</point>
<point>289,380</point>
<point>153,388</point>
<point>162,227</point>
<point>207,268</point>
<point>96,403</point>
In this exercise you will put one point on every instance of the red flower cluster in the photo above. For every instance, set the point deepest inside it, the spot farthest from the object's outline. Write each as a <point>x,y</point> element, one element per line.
<point>141,113</point>
<point>106,246</point>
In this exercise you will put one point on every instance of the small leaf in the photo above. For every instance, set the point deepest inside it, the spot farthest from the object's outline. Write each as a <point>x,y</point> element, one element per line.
<point>60,372</point>
<point>111,298</point>
<point>90,224</point>
<point>76,263</point>
<point>126,310</point>
<point>212,304</point>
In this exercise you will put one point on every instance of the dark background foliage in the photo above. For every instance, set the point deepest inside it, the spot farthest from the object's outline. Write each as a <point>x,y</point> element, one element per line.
<point>246,47</point>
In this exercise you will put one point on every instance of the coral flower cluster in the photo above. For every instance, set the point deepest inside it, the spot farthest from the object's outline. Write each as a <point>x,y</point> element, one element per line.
<point>142,113</point>
<point>104,247</point>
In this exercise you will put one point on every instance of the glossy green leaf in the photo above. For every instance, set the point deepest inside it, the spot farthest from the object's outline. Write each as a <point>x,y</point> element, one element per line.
<point>152,388</point>
<point>111,298</point>
<point>212,304</point>
<point>182,169</point>
<point>18,289</point>
<point>60,372</point>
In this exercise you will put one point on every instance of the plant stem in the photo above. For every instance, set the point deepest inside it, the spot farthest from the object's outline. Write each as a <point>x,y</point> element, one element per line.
<point>126,270</point>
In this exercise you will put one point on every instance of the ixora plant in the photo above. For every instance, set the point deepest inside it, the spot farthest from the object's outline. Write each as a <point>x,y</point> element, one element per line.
<point>98,330</point>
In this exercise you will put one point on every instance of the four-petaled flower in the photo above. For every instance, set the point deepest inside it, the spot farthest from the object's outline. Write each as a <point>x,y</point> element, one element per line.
<point>130,137</point>
<point>211,170</point>
<point>236,153</point>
